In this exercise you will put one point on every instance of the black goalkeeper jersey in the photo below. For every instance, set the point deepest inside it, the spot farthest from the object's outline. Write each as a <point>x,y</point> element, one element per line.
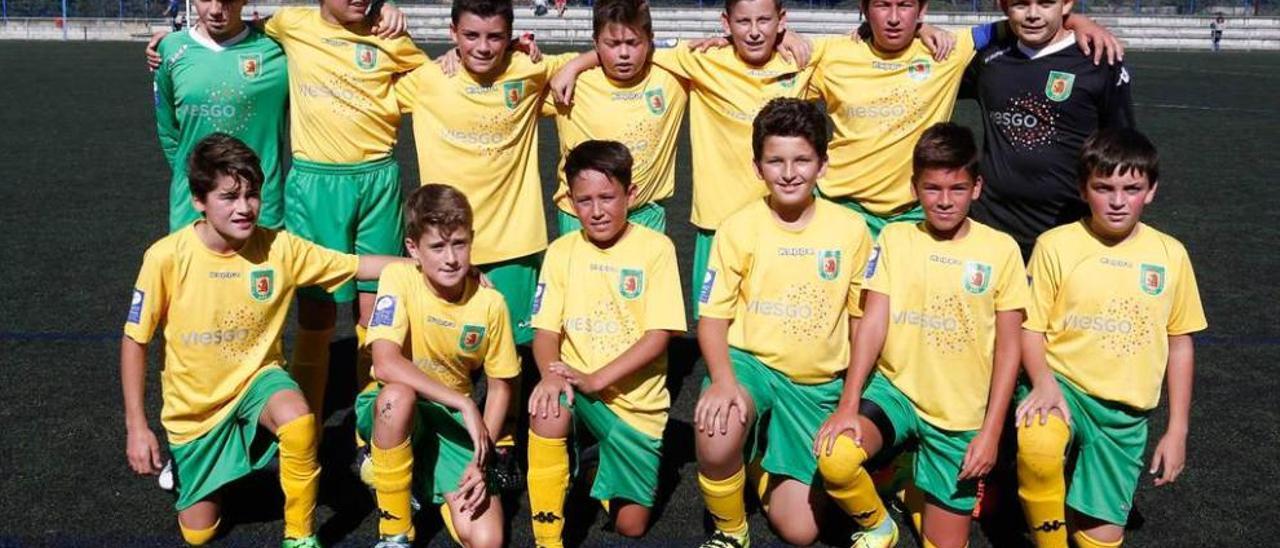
<point>1036,114</point>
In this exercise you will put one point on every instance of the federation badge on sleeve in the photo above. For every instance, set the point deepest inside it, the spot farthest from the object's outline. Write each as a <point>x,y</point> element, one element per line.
<point>872,261</point>
<point>250,65</point>
<point>135,306</point>
<point>829,264</point>
<point>631,283</point>
<point>384,311</point>
<point>262,283</point>
<point>977,277</point>
<point>656,101</point>
<point>537,296</point>
<point>512,93</point>
<point>708,281</point>
<point>1152,279</point>
<point>1058,87</point>
<point>366,57</point>
<point>472,337</point>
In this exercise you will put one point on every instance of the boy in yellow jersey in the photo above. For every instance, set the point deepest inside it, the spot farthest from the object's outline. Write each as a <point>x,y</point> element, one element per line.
<point>608,302</point>
<point>629,100</point>
<point>421,419</point>
<point>478,131</point>
<point>942,316</point>
<point>222,289</point>
<point>779,306</point>
<point>1114,304</point>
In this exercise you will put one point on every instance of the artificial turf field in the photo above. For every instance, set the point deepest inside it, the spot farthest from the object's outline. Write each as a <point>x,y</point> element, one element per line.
<point>85,192</point>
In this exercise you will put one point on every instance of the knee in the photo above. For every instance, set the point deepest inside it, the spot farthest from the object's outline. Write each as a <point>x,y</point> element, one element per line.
<point>551,426</point>
<point>395,403</point>
<point>288,406</point>
<point>794,533</point>
<point>198,531</point>
<point>484,537</point>
<point>844,464</point>
<point>1042,447</point>
<point>631,526</point>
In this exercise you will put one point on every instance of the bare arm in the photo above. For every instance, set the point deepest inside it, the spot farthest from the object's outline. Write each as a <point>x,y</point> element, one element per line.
<point>724,395</point>
<point>496,402</point>
<point>564,80</point>
<point>980,457</point>
<point>1171,453</point>
<point>544,400</point>
<point>142,447</point>
<point>390,366</point>
<point>651,345</point>
<point>370,267</point>
<point>1045,395</point>
<point>867,337</point>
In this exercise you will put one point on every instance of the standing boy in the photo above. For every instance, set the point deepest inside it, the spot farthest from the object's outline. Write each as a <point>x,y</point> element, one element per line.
<point>779,306</point>
<point>943,309</point>
<point>607,303</point>
<point>1114,304</point>
<point>421,419</point>
<point>222,289</point>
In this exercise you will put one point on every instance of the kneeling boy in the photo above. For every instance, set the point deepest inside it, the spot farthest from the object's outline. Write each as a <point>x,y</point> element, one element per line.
<point>1114,304</point>
<point>942,316</point>
<point>222,288</point>
<point>606,305</point>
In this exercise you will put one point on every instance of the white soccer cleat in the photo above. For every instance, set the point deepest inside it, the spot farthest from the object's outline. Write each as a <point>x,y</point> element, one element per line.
<point>165,479</point>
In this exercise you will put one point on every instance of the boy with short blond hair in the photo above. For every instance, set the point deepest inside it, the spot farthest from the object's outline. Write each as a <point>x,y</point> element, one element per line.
<point>608,301</point>
<point>1114,304</point>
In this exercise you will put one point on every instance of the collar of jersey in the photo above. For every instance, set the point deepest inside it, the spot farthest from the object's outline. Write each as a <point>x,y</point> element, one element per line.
<point>210,44</point>
<point>1066,42</point>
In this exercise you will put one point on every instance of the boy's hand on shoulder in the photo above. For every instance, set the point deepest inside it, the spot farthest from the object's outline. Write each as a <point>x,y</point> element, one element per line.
<point>143,450</point>
<point>938,41</point>
<point>154,60</point>
<point>449,63</point>
<point>529,46</point>
<point>1170,458</point>
<point>390,22</point>
<point>583,382</point>
<point>845,419</point>
<point>1044,398</point>
<point>544,401</point>
<point>473,420</point>
<point>795,48</point>
<point>703,45</point>
<point>980,457</point>
<point>562,84</point>
<point>717,403</point>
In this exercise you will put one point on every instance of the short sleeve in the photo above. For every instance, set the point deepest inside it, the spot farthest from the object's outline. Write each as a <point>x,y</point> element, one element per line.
<point>860,262</point>
<point>148,304</point>
<point>1186,314</point>
<point>277,25</point>
<point>315,265</point>
<point>726,267</point>
<point>548,296</point>
<point>390,320</point>
<point>554,63</point>
<point>408,86</point>
<point>664,305</point>
<point>500,360</point>
<point>676,58</point>
<point>1116,110</point>
<point>1012,292</point>
<point>1044,279</point>
<point>876,275</point>
<point>405,55</point>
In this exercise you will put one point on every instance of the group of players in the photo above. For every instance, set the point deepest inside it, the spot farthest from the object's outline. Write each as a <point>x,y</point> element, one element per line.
<point>847,305</point>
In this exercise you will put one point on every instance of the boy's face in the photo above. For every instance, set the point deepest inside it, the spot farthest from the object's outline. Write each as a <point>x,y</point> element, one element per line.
<point>1116,202</point>
<point>1037,23</point>
<point>445,259</point>
<point>345,12</point>
<point>790,168</point>
<point>624,51</point>
<point>754,26</point>
<point>893,23</point>
<point>482,42</point>
<point>945,195</point>
<point>601,205</point>
<point>231,208</point>
<point>220,18</point>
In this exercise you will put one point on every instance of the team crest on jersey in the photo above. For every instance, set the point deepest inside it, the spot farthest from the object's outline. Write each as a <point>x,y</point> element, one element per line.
<point>250,65</point>
<point>631,282</point>
<point>366,57</point>
<point>384,311</point>
<point>472,337</point>
<point>1152,279</point>
<point>787,81</point>
<point>829,264</point>
<point>262,283</point>
<point>977,277</point>
<point>512,93</point>
<point>919,69</point>
<point>872,262</point>
<point>135,306</point>
<point>656,100</point>
<point>1058,86</point>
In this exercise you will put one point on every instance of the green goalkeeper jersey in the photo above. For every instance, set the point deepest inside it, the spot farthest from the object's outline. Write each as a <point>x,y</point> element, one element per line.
<point>239,87</point>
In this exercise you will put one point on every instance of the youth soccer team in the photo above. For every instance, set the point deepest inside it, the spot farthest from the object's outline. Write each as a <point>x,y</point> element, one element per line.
<point>862,300</point>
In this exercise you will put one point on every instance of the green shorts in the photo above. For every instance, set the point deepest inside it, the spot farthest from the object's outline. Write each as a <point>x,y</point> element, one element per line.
<point>629,458</point>
<point>1108,440</point>
<point>352,208</point>
<point>234,448</point>
<point>182,212</point>
<point>940,455</point>
<point>517,280</point>
<point>442,448</point>
<point>651,215</point>
<point>699,285</point>
<point>876,223</point>
<point>795,411</point>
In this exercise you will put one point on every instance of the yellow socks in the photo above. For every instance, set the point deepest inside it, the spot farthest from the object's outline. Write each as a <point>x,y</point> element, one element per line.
<point>724,500</point>
<point>446,517</point>
<point>392,478</point>
<point>548,479</point>
<point>310,365</point>
<point>299,474</point>
<point>849,485</point>
<point>1042,484</point>
<point>199,537</point>
<point>1086,541</point>
<point>913,500</point>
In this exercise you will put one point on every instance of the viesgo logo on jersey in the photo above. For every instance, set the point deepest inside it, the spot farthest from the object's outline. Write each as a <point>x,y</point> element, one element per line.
<point>1028,121</point>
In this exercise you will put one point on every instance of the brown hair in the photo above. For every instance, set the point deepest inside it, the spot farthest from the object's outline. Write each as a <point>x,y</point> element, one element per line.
<point>945,145</point>
<point>729,4</point>
<point>1118,151</point>
<point>608,157</point>
<point>788,117</point>
<point>222,154</point>
<point>436,205</point>
<point>630,13</point>
<point>483,9</point>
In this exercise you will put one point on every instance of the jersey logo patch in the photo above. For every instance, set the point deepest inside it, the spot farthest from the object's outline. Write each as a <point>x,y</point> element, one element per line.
<point>262,283</point>
<point>537,296</point>
<point>919,69</point>
<point>787,81</point>
<point>366,57</point>
<point>384,311</point>
<point>471,338</point>
<point>250,65</point>
<point>829,264</point>
<point>631,283</point>
<point>656,101</point>
<point>708,281</point>
<point>1152,279</point>
<point>977,277</point>
<point>512,93</point>
<point>135,306</point>
<point>872,262</point>
<point>1058,87</point>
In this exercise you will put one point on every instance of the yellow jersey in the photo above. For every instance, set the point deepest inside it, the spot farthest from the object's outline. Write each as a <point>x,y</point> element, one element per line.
<point>1107,312</point>
<point>789,293</point>
<point>342,107</point>
<point>449,341</point>
<point>943,299</point>
<point>222,315</point>
<point>602,301</point>
<point>880,105</point>
<point>644,116</point>
<point>725,93</point>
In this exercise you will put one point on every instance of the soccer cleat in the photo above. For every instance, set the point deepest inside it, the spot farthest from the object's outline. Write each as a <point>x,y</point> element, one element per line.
<point>393,541</point>
<point>721,539</point>
<point>165,479</point>
<point>364,463</point>
<point>506,471</point>
<point>884,535</point>
<point>304,542</point>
